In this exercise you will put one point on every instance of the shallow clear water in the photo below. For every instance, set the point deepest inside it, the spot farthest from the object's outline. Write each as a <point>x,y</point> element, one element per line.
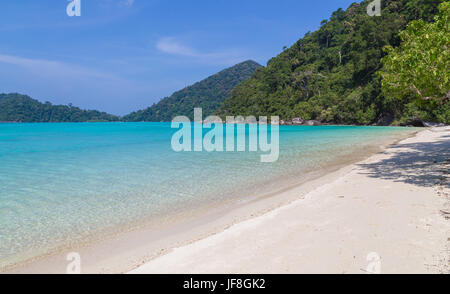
<point>65,182</point>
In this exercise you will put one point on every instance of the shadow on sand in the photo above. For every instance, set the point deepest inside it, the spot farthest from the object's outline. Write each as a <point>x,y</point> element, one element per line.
<point>422,164</point>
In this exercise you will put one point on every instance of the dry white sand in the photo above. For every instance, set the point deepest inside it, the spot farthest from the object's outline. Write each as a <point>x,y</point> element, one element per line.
<point>394,206</point>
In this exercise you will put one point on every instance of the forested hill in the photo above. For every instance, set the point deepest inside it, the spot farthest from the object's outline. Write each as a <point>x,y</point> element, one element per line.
<point>332,75</point>
<point>21,108</point>
<point>208,94</point>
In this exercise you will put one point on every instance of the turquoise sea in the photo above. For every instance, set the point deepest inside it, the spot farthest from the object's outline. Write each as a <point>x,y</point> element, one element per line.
<point>64,182</point>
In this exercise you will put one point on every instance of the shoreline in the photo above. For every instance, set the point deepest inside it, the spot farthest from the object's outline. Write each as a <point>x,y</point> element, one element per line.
<point>393,205</point>
<point>180,230</point>
<point>114,255</point>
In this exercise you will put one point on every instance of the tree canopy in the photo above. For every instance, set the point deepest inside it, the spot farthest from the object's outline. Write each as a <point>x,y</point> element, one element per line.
<point>207,94</point>
<point>21,108</point>
<point>420,66</point>
<point>331,74</point>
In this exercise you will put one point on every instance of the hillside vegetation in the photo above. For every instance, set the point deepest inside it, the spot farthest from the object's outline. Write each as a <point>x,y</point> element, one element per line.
<point>332,75</point>
<point>21,108</point>
<point>208,94</point>
<point>419,69</point>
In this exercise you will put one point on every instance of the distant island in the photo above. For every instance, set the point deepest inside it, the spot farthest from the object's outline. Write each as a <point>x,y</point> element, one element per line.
<point>208,94</point>
<point>21,108</point>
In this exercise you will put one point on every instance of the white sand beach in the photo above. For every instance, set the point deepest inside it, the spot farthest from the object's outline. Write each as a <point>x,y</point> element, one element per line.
<point>394,205</point>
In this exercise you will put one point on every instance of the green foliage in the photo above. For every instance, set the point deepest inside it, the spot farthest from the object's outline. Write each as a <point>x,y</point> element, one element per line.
<point>420,68</point>
<point>331,74</point>
<point>21,108</point>
<point>207,94</point>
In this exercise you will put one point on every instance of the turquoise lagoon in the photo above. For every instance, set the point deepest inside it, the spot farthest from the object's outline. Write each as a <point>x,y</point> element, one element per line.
<point>64,182</point>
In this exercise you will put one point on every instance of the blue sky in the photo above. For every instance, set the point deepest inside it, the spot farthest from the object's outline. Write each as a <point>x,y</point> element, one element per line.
<point>124,55</point>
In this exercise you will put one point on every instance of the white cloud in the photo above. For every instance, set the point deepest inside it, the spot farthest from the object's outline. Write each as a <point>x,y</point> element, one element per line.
<point>43,67</point>
<point>127,3</point>
<point>170,45</point>
<point>116,3</point>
